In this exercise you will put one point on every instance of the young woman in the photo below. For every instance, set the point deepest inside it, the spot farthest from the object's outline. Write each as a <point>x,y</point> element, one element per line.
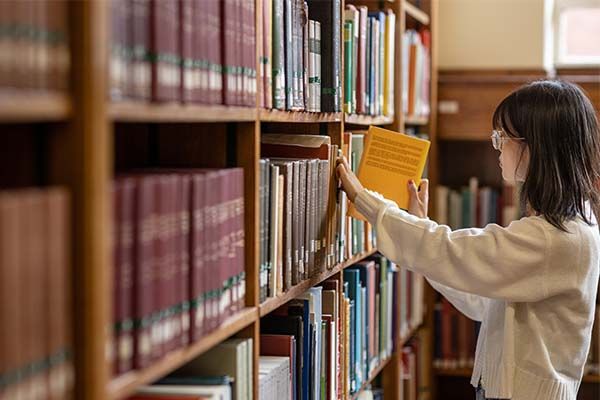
<point>532,284</point>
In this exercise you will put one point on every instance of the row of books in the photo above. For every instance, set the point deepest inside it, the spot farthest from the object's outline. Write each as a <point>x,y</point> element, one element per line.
<point>475,206</point>
<point>298,212</point>
<point>34,45</point>
<point>35,295</point>
<point>225,372</point>
<point>191,51</point>
<point>416,72</point>
<point>300,55</point>
<point>358,236</point>
<point>178,253</point>
<point>455,336</point>
<point>369,61</point>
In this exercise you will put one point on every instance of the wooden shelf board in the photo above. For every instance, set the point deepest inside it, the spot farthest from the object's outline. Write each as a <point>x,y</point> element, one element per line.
<point>127,383</point>
<point>298,116</point>
<point>415,12</point>
<point>374,373</point>
<point>130,111</point>
<point>360,119</point>
<point>413,120</point>
<point>273,303</point>
<point>591,378</point>
<point>31,106</point>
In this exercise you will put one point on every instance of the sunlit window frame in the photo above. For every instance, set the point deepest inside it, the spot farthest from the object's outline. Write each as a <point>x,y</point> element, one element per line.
<point>561,60</point>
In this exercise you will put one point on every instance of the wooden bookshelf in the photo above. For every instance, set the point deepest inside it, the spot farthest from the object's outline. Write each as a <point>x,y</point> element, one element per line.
<point>298,116</point>
<point>83,157</point>
<point>415,120</point>
<point>415,12</point>
<point>126,384</point>
<point>366,120</point>
<point>25,107</point>
<point>273,303</point>
<point>150,112</point>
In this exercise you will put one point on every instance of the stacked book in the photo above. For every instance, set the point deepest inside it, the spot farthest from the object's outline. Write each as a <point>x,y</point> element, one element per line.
<point>369,61</point>
<point>178,253</point>
<point>204,378</point>
<point>35,295</point>
<point>34,45</point>
<point>475,206</point>
<point>274,378</point>
<point>413,369</point>
<point>300,55</point>
<point>299,237</point>
<point>455,337</point>
<point>358,236</point>
<point>416,72</point>
<point>372,301</point>
<point>190,51</point>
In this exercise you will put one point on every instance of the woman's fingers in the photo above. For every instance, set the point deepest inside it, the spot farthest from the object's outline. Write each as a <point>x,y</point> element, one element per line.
<point>424,190</point>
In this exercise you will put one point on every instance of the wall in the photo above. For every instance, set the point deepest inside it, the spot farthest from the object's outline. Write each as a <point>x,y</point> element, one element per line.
<point>493,34</point>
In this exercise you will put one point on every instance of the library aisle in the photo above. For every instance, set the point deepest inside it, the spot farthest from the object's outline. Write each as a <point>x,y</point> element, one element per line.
<point>171,223</point>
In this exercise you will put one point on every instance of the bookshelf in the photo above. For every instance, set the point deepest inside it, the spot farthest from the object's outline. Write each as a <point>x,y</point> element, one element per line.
<point>94,138</point>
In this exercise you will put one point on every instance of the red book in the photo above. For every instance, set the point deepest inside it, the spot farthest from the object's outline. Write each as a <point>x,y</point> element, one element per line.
<point>201,30</point>
<point>280,346</point>
<point>183,256</point>
<point>186,39</point>
<point>144,258</point>
<point>215,44</point>
<point>229,50</point>
<point>213,268</point>
<point>239,235</point>
<point>123,284</point>
<point>197,257</point>
<point>141,75</point>
<point>164,48</point>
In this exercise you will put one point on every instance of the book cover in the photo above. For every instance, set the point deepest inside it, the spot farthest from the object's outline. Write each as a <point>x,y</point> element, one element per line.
<point>389,161</point>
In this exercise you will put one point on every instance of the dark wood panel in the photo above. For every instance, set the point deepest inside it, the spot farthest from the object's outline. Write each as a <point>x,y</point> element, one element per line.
<point>588,79</point>
<point>459,160</point>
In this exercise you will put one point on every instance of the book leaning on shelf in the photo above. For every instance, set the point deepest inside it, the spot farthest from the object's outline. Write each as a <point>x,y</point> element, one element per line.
<point>178,251</point>
<point>188,51</point>
<point>35,295</point>
<point>34,45</point>
<point>299,227</point>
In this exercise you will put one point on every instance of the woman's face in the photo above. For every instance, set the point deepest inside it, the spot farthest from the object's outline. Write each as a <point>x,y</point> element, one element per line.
<point>514,160</point>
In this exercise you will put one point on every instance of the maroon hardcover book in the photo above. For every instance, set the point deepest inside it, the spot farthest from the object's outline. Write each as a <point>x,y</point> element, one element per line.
<point>197,282</point>
<point>216,45</point>
<point>229,50</point>
<point>182,248</point>
<point>144,258</point>
<point>125,209</point>
<point>164,50</point>
<point>186,42</point>
<point>200,49</point>
<point>141,68</point>
<point>239,236</point>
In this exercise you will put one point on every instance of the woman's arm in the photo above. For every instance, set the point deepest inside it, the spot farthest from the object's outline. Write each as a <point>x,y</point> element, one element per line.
<point>494,262</point>
<point>471,305</point>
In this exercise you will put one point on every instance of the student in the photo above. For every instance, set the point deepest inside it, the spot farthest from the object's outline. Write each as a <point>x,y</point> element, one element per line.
<point>532,284</point>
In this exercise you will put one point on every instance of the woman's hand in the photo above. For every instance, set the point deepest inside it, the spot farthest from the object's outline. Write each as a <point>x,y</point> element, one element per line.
<point>350,183</point>
<point>418,198</point>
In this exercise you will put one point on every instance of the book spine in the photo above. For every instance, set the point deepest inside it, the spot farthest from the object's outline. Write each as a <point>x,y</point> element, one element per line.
<point>348,59</point>
<point>239,240</point>
<point>240,53</point>
<point>305,56</point>
<point>141,74</point>
<point>337,55</point>
<point>118,58</point>
<point>268,47</point>
<point>197,283</point>
<point>182,228</point>
<point>228,53</point>
<point>186,40</point>
<point>251,46</point>
<point>278,53</point>
<point>165,50</point>
<point>289,53</point>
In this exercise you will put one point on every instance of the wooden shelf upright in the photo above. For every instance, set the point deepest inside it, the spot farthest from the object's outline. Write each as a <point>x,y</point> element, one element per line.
<point>94,138</point>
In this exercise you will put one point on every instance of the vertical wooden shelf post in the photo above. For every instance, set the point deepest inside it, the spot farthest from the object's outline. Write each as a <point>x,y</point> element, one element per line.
<point>88,154</point>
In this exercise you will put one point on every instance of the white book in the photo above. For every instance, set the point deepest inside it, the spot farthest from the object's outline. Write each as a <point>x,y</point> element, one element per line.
<point>274,230</point>
<point>213,392</point>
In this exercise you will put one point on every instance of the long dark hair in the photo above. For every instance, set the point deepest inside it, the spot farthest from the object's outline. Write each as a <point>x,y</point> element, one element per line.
<point>560,127</point>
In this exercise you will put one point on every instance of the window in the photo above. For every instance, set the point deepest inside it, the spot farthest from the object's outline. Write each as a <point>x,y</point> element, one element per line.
<point>577,32</point>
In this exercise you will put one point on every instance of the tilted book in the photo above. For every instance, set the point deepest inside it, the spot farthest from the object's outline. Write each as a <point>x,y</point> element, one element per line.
<point>389,160</point>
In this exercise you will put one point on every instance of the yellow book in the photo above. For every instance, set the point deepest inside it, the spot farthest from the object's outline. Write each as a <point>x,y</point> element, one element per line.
<point>389,160</point>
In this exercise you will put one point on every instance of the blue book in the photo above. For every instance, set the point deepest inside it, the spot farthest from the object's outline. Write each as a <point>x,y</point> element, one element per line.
<point>300,307</point>
<point>352,276</point>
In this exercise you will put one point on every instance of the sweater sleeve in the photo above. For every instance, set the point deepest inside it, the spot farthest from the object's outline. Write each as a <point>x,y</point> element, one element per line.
<point>471,305</point>
<point>493,262</point>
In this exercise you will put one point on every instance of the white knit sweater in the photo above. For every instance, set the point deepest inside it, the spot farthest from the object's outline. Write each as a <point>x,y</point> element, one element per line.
<point>532,286</point>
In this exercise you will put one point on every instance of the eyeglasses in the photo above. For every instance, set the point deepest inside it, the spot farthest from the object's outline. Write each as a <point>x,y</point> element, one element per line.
<point>498,139</point>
